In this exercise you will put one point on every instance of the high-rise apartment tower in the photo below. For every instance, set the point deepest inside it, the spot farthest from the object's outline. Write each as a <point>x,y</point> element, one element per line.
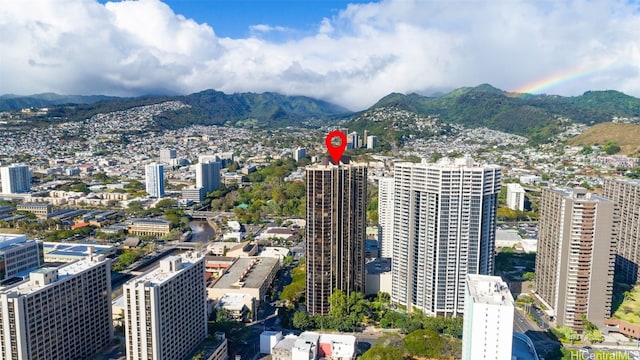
<point>335,231</point>
<point>488,318</point>
<point>576,256</point>
<point>62,313</point>
<point>625,195</point>
<point>444,228</point>
<point>385,215</point>
<point>15,179</point>
<point>166,309</point>
<point>154,174</point>
<point>208,173</point>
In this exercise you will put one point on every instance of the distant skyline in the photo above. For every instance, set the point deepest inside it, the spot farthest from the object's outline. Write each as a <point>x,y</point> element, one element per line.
<point>351,53</point>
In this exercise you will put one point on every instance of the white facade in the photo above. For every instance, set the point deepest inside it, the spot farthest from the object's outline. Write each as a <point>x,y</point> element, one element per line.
<point>17,254</point>
<point>208,174</point>
<point>299,154</point>
<point>444,228</point>
<point>372,142</point>
<point>385,215</point>
<point>154,174</point>
<point>515,196</point>
<point>488,319</point>
<point>15,179</point>
<point>62,313</point>
<point>166,155</point>
<point>166,309</point>
<point>269,339</point>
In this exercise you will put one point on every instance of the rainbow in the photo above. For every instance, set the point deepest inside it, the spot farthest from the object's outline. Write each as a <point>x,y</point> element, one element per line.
<point>553,80</point>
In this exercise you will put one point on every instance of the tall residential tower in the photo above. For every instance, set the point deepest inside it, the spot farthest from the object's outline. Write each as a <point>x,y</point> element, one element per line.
<point>444,228</point>
<point>62,313</point>
<point>576,256</point>
<point>154,174</point>
<point>385,215</point>
<point>166,309</point>
<point>335,231</point>
<point>488,318</point>
<point>15,179</point>
<point>208,173</point>
<point>625,195</point>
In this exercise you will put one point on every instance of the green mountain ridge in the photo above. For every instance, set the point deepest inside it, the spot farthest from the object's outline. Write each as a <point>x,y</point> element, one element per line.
<point>537,117</point>
<point>534,116</point>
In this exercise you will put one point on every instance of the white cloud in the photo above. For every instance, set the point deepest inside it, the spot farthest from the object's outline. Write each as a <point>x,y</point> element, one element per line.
<point>361,54</point>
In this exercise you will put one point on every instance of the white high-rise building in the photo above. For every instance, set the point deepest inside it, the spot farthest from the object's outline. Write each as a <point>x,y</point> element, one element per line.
<point>15,179</point>
<point>167,155</point>
<point>444,226</point>
<point>515,196</point>
<point>488,319</point>
<point>299,154</point>
<point>62,313</point>
<point>17,254</point>
<point>155,180</point>
<point>372,142</point>
<point>208,173</point>
<point>385,215</point>
<point>166,309</point>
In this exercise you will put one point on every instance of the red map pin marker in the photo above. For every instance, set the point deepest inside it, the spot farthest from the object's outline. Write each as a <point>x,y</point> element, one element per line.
<point>336,151</point>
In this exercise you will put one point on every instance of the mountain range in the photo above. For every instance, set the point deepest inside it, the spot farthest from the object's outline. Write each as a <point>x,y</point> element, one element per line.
<point>535,116</point>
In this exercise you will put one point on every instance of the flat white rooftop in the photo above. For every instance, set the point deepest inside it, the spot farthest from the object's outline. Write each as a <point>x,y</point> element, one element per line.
<point>7,240</point>
<point>27,287</point>
<point>159,275</point>
<point>491,290</point>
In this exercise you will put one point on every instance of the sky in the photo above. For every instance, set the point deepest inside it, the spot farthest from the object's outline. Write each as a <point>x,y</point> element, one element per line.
<point>351,53</point>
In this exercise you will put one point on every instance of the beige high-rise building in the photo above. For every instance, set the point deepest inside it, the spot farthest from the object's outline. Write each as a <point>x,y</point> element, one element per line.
<point>165,309</point>
<point>62,313</point>
<point>576,256</point>
<point>625,195</point>
<point>335,231</point>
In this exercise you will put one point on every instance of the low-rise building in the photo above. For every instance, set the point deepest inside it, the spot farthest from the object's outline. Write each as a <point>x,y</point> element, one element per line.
<point>269,339</point>
<point>17,254</point>
<point>251,276</point>
<point>40,210</point>
<point>153,227</point>
<point>68,252</point>
<point>241,307</point>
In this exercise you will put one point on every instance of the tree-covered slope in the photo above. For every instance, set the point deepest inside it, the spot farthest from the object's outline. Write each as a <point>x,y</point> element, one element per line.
<point>534,116</point>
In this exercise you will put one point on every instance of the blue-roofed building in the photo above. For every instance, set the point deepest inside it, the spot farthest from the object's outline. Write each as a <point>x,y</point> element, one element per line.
<point>67,252</point>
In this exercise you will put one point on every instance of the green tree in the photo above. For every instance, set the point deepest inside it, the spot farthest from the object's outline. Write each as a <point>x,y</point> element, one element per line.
<point>425,343</point>
<point>378,352</point>
<point>302,320</point>
<point>529,275</point>
<point>611,147</point>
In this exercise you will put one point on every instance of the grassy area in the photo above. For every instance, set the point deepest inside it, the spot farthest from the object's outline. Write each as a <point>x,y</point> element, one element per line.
<point>627,136</point>
<point>11,231</point>
<point>629,310</point>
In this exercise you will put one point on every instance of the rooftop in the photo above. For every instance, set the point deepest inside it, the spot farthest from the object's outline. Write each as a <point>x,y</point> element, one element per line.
<point>258,270</point>
<point>234,301</point>
<point>27,287</point>
<point>165,271</point>
<point>287,343</point>
<point>149,221</point>
<point>7,240</point>
<point>73,250</point>
<point>491,290</point>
